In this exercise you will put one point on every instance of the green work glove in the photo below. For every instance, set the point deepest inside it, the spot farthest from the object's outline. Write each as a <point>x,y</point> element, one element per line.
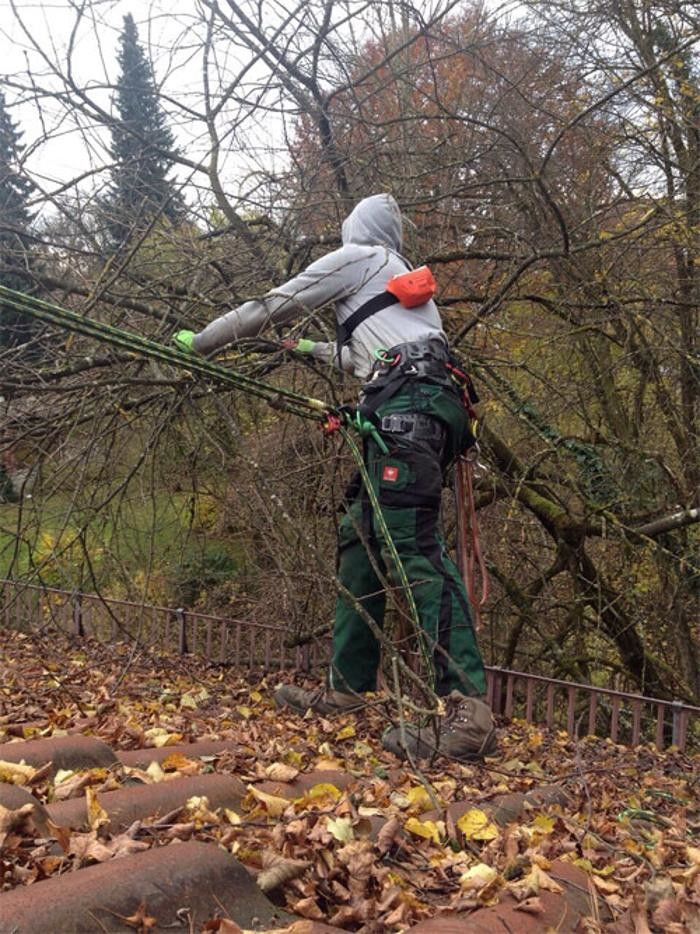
<point>183,340</point>
<point>303,345</point>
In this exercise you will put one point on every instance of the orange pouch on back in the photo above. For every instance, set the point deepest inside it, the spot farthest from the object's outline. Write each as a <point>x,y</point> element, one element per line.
<point>413,288</point>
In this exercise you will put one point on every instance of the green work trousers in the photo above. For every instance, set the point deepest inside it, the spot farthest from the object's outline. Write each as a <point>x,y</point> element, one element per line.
<point>408,483</point>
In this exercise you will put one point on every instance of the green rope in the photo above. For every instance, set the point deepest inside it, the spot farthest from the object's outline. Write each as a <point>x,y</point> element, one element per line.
<point>286,399</point>
<point>381,522</point>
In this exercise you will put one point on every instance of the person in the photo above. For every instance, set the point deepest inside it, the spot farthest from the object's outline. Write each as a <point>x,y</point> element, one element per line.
<point>420,425</point>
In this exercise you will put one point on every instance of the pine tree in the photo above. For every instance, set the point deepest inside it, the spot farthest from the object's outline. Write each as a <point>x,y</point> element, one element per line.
<point>15,218</point>
<point>141,142</point>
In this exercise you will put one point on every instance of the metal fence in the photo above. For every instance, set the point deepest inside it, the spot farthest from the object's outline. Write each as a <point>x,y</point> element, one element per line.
<point>577,708</point>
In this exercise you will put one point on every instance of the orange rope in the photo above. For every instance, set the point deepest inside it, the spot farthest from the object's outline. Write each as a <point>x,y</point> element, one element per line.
<point>470,556</point>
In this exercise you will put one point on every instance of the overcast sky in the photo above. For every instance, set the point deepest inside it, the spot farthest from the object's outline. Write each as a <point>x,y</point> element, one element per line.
<point>36,43</point>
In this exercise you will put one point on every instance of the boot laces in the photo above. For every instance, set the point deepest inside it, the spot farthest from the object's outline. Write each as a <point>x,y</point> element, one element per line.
<point>456,712</point>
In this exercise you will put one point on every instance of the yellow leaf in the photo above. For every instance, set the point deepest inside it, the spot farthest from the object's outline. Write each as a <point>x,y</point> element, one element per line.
<point>543,823</point>
<point>96,814</point>
<point>199,810</point>
<point>418,800</point>
<point>245,712</point>
<point>341,829</point>
<point>16,773</point>
<point>327,763</point>
<point>155,772</point>
<point>475,825</point>
<point>361,749</point>
<point>159,737</point>
<point>189,701</point>
<point>273,804</point>
<point>324,790</point>
<point>429,830</point>
<point>478,877</point>
<point>255,696</point>
<point>347,732</point>
<point>231,816</point>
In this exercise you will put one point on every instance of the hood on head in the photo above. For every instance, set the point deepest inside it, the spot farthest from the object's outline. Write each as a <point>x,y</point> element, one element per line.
<point>374,221</point>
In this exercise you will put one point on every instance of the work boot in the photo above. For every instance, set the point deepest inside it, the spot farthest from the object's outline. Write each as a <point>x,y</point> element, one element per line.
<point>466,732</point>
<point>321,700</point>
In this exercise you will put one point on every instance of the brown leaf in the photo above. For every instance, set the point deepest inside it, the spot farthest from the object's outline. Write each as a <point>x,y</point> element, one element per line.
<point>308,908</point>
<point>124,845</point>
<point>62,834</point>
<point>278,869</point>
<point>86,846</point>
<point>13,820</point>
<point>180,831</point>
<point>387,836</point>
<point>532,905</point>
<point>279,772</point>
<point>223,926</point>
<point>140,920</point>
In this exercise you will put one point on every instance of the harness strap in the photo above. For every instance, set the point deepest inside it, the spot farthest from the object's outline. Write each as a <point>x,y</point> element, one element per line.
<point>345,329</point>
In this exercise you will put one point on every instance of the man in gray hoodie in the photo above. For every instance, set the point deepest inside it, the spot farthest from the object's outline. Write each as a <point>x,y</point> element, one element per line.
<point>418,410</point>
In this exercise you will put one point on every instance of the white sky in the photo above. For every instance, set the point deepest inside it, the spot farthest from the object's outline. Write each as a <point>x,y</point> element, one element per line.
<point>171,32</point>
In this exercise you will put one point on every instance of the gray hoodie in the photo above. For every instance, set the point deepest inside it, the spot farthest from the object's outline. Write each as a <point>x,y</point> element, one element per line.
<point>348,277</point>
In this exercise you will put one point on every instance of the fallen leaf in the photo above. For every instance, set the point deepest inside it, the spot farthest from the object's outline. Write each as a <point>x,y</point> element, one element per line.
<point>388,835</point>
<point>140,920</point>
<point>86,846</point>
<point>430,830</point>
<point>341,829</point>
<point>279,772</point>
<point>278,869</point>
<point>274,805</point>
<point>478,877</point>
<point>16,773</point>
<point>13,819</point>
<point>419,800</point>
<point>347,732</point>
<point>96,814</point>
<point>475,825</point>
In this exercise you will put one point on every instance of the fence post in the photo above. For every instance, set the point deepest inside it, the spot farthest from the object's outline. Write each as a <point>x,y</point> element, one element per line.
<point>181,620</point>
<point>78,627</point>
<point>678,735</point>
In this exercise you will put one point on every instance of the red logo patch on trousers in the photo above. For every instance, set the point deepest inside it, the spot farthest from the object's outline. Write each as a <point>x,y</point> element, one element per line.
<point>390,474</point>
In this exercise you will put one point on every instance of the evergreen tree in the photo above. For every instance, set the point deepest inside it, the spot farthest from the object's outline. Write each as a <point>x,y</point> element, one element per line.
<point>141,142</point>
<point>15,218</point>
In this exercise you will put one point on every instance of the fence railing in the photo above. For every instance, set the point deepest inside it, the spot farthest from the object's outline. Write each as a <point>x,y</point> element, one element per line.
<point>240,643</point>
<point>577,708</point>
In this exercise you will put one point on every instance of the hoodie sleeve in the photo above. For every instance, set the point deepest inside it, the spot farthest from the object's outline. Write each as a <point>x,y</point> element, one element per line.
<point>327,352</point>
<point>326,280</point>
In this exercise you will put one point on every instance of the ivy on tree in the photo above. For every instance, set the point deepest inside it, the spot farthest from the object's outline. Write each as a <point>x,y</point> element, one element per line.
<point>15,218</point>
<point>142,145</point>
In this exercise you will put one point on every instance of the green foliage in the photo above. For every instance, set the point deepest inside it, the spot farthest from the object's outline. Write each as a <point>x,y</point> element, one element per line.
<point>142,145</point>
<point>15,217</point>
<point>201,570</point>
